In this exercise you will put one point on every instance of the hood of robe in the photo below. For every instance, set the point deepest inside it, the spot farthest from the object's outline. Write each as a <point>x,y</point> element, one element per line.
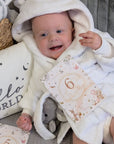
<point>79,13</point>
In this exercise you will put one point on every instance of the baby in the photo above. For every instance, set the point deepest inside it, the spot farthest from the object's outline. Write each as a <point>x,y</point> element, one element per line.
<point>52,39</point>
<point>50,31</point>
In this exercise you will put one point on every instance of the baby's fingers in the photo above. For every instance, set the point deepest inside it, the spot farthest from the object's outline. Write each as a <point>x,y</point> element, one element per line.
<point>86,42</point>
<point>87,35</point>
<point>24,122</point>
<point>24,126</point>
<point>90,39</point>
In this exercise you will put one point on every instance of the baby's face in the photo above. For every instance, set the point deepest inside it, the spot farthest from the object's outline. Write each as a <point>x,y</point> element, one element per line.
<point>52,33</point>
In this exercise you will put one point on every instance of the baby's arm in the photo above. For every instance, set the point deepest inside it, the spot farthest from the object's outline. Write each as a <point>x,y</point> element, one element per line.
<point>24,122</point>
<point>91,39</point>
<point>103,47</point>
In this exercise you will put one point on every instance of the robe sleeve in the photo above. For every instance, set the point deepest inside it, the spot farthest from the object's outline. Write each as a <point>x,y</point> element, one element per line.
<point>105,54</point>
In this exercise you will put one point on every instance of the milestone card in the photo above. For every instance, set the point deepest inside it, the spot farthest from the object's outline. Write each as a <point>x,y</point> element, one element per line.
<point>73,89</point>
<point>12,135</point>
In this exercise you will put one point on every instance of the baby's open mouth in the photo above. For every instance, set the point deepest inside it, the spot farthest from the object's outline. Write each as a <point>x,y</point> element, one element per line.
<point>56,47</point>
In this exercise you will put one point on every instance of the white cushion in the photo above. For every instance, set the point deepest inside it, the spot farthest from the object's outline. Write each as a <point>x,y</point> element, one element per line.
<point>15,66</point>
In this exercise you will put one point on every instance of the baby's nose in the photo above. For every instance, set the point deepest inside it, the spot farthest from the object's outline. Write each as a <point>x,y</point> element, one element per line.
<point>53,37</point>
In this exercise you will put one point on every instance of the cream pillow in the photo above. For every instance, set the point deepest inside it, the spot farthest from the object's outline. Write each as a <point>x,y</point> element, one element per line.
<point>15,71</point>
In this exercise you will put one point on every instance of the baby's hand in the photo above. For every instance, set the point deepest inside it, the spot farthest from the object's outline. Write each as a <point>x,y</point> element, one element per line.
<point>91,39</point>
<point>24,122</point>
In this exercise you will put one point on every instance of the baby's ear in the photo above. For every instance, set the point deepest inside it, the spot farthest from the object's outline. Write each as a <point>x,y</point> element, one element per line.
<point>19,3</point>
<point>6,39</point>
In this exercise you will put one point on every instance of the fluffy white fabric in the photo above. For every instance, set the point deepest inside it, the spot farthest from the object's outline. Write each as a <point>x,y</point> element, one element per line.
<point>19,3</point>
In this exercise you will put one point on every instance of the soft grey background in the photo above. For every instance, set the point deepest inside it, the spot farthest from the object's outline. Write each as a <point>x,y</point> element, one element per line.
<point>103,14</point>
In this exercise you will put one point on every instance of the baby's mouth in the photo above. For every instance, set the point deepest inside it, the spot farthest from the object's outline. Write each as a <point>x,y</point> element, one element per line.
<point>56,47</point>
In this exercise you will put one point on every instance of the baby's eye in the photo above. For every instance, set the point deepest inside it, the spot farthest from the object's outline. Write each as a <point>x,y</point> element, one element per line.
<point>59,31</point>
<point>43,34</point>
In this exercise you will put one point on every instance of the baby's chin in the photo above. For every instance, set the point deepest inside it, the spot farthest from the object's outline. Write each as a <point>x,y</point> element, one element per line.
<point>57,55</point>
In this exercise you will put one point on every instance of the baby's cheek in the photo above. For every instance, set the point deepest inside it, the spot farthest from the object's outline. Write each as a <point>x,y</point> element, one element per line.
<point>68,43</point>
